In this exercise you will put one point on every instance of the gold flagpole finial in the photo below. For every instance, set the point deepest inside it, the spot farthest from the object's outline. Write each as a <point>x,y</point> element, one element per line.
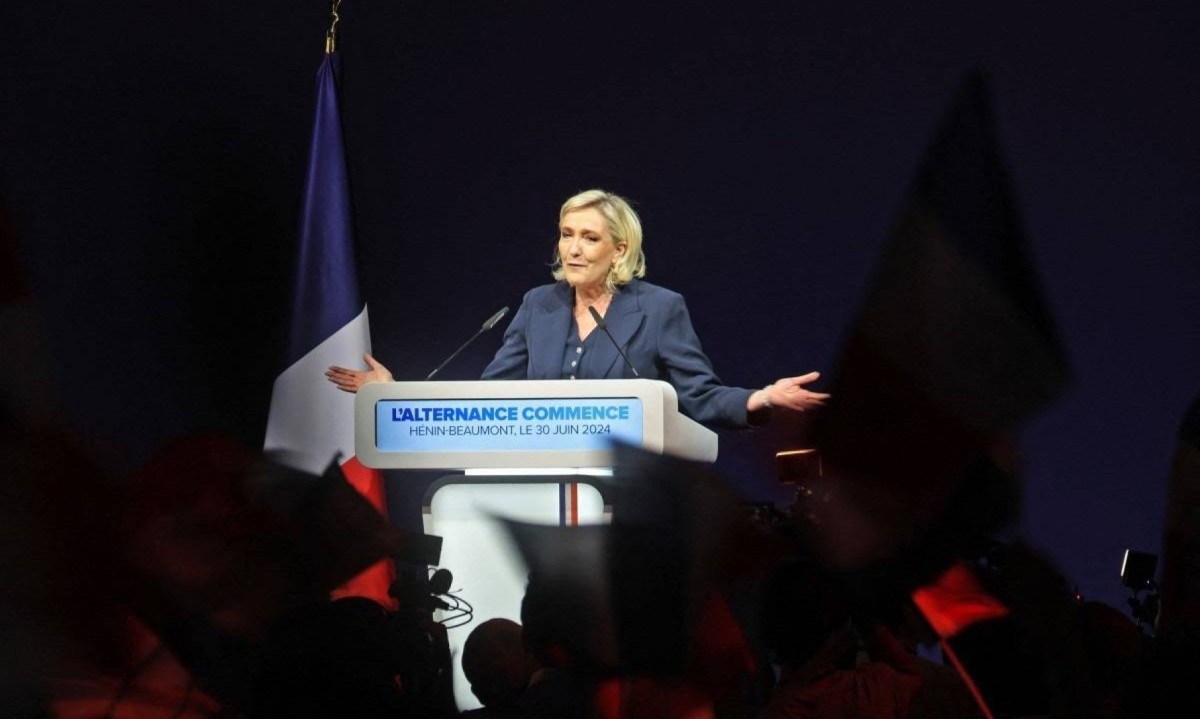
<point>331,35</point>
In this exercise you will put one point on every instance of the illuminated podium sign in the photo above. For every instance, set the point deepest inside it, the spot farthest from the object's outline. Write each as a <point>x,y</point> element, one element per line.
<point>405,425</point>
<point>530,423</point>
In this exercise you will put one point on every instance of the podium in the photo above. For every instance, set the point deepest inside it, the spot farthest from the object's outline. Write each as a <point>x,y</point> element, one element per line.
<point>521,450</point>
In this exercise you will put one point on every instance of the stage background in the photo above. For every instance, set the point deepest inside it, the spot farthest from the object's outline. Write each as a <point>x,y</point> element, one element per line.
<point>153,159</point>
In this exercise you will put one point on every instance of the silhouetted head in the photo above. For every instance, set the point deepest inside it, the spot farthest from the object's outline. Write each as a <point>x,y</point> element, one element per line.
<point>494,661</point>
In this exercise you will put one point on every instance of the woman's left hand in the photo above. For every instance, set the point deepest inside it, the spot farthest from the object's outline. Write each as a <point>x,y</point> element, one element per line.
<point>790,393</point>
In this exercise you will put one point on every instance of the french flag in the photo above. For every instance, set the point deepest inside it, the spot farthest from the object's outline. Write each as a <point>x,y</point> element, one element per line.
<point>311,422</point>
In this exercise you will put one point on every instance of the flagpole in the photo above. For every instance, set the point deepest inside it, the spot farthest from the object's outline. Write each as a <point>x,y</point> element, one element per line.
<point>331,34</point>
<point>966,677</point>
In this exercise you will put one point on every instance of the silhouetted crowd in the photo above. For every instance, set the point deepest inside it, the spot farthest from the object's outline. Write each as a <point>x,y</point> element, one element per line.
<point>199,586</point>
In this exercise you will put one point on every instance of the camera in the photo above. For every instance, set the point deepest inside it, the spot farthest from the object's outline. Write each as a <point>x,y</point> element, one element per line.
<point>1137,573</point>
<point>1137,570</point>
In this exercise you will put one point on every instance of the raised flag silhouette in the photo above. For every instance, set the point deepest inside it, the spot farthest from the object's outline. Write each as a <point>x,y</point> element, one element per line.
<point>955,601</point>
<point>952,349</point>
<point>311,423</point>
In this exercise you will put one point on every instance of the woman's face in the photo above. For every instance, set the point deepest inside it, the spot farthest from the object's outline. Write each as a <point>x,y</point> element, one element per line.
<point>586,248</point>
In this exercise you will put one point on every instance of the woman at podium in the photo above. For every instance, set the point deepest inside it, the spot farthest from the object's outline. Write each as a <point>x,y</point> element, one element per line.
<point>601,320</point>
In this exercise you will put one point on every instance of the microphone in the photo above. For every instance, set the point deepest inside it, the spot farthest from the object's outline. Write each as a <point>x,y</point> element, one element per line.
<point>490,323</point>
<point>441,580</point>
<point>600,323</point>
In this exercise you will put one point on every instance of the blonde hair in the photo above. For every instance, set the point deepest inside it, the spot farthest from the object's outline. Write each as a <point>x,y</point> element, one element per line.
<point>624,226</point>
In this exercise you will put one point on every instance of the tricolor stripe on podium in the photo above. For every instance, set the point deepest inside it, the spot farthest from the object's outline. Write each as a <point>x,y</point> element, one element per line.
<point>311,422</point>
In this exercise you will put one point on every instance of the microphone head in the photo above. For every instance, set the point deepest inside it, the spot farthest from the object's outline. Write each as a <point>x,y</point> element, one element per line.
<point>596,316</point>
<point>491,321</point>
<point>440,581</point>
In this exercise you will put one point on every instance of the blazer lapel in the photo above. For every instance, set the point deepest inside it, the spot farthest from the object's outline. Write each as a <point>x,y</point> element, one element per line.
<point>548,333</point>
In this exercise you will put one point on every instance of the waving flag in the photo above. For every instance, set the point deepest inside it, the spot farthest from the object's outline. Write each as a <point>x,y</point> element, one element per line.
<point>953,350</point>
<point>955,601</point>
<point>311,422</point>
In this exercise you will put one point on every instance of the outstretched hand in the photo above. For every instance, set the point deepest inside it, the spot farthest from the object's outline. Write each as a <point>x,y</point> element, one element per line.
<point>352,380</point>
<point>790,393</point>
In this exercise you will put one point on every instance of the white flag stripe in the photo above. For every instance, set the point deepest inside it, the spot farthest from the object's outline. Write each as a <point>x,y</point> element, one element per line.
<point>311,421</point>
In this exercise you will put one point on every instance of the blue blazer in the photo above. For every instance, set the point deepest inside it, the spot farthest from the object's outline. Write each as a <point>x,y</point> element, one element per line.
<point>651,324</point>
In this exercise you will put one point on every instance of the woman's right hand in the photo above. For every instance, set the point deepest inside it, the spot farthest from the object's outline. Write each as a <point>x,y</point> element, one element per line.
<point>352,380</point>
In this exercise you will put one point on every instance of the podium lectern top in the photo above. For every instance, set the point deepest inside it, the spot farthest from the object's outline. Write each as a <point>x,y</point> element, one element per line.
<point>521,424</point>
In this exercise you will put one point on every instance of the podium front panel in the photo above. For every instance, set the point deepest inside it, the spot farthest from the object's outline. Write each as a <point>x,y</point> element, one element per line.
<point>519,424</point>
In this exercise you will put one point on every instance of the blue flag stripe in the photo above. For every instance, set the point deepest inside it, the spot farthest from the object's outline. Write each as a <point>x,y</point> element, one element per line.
<point>325,295</point>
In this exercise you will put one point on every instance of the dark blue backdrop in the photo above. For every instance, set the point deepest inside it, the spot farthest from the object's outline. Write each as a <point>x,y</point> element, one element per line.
<point>153,158</point>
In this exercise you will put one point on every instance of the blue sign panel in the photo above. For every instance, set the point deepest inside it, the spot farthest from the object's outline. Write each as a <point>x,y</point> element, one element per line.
<point>489,425</point>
